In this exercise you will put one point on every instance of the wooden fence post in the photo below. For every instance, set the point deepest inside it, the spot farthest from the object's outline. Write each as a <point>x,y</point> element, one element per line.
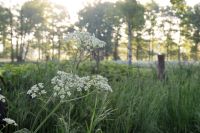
<point>161,67</point>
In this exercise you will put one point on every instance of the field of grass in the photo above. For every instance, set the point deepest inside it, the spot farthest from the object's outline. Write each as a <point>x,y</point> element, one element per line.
<point>139,102</point>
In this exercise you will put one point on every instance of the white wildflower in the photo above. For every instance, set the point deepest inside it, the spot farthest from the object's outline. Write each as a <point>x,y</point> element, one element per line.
<point>2,98</point>
<point>101,83</point>
<point>36,90</point>
<point>66,84</point>
<point>69,93</point>
<point>29,92</point>
<point>56,88</point>
<point>85,40</point>
<point>10,121</point>
<point>79,89</point>
<point>62,96</point>
<point>40,85</point>
<point>55,94</point>
<point>43,92</point>
<point>86,87</point>
<point>33,95</point>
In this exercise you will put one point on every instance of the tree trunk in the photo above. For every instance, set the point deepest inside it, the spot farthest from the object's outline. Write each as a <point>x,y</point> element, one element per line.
<point>17,48</point>
<point>116,45</point>
<point>4,36</point>
<point>150,50</point>
<point>179,54</point>
<point>96,57</point>
<point>26,52</point>
<point>116,53</point>
<point>196,51</point>
<point>21,50</point>
<point>167,52</point>
<point>39,50</point>
<point>137,52</point>
<point>11,35</point>
<point>129,47</point>
<point>59,48</point>
<point>11,42</point>
<point>53,47</point>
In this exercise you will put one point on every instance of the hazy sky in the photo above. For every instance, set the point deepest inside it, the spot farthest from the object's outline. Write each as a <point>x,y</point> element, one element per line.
<point>73,6</point>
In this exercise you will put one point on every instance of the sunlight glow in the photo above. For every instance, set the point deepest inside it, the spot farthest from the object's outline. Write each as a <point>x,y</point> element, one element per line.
<point>74,6</point>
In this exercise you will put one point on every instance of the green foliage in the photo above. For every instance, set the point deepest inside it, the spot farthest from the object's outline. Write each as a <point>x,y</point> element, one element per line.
<point>32,14</point>
<point>179,5</point>
<point>24,109</point>
<point>4,26</point>
<point>141,103</point>
<point>191,21</point>
<point>133,13</point>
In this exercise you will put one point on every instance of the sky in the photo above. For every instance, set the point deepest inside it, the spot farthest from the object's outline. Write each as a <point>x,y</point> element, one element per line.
<point>73,6</point>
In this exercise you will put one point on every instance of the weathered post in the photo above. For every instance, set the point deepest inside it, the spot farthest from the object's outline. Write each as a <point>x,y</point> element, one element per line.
<point>161,67</point>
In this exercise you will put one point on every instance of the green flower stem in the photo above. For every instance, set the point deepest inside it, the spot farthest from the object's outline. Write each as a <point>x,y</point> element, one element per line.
<point>57,106</point>
<point>74,99</point>
<point>38,114</point>
<point>42,123</point>
<point>92,118</point>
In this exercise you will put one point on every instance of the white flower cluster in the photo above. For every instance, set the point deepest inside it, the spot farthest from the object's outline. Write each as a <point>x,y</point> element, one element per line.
<point>101,83</point>
<point>2,98</point>
<point>10,121</point>
<point>36,90</point>
<point>85,40</point>
<point>66,84</point>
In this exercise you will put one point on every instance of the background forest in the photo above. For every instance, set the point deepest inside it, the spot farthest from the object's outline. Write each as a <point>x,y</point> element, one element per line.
<point>37,29</point>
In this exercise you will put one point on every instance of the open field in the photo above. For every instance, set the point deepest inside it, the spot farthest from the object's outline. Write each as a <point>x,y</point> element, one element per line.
<point>139,101</point>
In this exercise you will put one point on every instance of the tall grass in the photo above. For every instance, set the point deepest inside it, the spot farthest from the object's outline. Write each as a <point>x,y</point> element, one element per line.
<point>139,102</point>
<point>147,105</point>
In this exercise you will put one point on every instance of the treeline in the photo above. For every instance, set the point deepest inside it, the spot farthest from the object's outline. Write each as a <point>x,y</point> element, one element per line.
<point>145,30</point>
